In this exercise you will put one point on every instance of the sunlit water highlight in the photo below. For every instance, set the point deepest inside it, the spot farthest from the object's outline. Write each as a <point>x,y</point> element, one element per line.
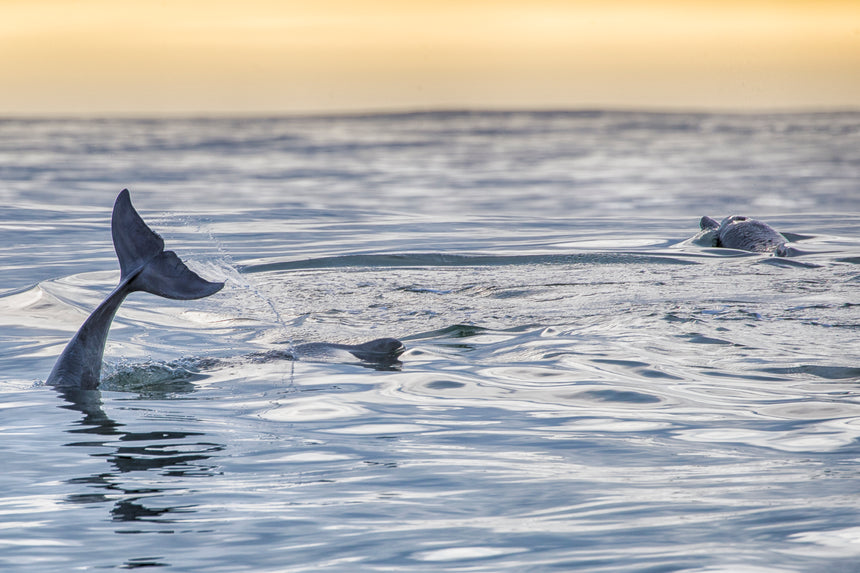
<point>583,389</point>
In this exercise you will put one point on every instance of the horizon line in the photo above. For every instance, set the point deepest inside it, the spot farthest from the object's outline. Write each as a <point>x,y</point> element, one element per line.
<point>6,115</point>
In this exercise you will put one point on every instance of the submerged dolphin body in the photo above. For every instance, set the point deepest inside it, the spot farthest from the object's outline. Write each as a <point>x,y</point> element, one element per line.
<point>145,266</point>
<point>378,351</point>
<point>744,233</point>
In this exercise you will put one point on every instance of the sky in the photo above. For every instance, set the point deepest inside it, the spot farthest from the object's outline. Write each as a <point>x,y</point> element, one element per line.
<point>220,57</point>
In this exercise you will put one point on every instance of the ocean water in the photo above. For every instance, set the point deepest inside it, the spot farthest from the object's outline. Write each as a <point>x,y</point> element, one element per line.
<point>584,389</point>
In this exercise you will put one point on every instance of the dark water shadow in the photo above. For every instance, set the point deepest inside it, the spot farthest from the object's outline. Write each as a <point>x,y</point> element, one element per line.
<point>819,371</point>
<point>407,260</point>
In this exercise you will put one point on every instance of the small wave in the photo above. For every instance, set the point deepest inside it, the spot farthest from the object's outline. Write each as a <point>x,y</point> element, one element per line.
<point>783,262</point>
<point>626,396</point>
<point>702,339</point>
<point>155,379</point>
<point>453,331</point>
<point>20,298</point>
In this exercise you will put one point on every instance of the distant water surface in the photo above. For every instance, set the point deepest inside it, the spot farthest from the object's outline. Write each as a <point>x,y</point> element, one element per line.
<point>584,389</point>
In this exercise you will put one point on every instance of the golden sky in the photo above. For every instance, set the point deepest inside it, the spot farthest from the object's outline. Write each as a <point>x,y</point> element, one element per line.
<point>149,57</point>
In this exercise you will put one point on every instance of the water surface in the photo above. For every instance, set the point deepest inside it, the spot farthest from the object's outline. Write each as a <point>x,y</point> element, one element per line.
<point>583,388</point>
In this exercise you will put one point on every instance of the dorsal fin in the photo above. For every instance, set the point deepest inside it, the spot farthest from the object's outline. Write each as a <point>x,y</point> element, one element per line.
<point>708,223</point>
<point>135,243</point>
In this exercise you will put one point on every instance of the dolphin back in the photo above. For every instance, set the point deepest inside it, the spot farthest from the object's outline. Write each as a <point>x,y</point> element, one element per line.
<point>144,263</point>
<point>739,232</point>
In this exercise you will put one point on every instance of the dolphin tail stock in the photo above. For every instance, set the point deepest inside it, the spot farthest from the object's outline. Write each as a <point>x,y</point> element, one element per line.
<point>145,265</point>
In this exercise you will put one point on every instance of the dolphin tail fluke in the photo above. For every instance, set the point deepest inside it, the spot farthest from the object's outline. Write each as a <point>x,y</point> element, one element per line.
<point>166,275</point>
<point>134,242</point>
<point>144,262</point>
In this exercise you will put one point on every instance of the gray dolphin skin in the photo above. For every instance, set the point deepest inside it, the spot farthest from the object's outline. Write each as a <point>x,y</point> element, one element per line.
<point>145,266</point>
<point>739,232</point>
<point>380,350</point>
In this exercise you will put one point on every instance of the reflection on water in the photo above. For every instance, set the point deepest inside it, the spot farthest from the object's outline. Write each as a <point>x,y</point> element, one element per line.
<point>177,454</point>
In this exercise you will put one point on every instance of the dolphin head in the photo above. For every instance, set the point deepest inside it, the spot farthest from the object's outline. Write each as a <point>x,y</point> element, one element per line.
<point>379,349</point>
